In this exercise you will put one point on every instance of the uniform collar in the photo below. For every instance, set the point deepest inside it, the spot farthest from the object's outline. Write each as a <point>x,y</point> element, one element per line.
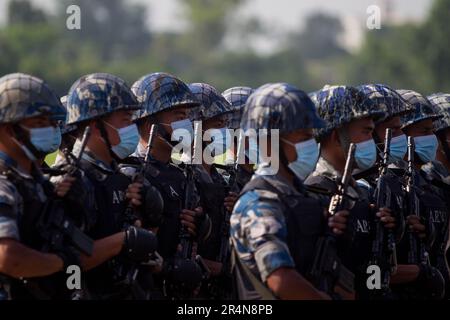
<point>324,168</point>
<point>90,157</point>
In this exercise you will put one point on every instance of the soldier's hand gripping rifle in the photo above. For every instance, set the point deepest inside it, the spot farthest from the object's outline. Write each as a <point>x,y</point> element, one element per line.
<point>327,270</point>
<point>384,252</point>
<point>153,201</point>
<point>431,281</point>
<point>57,229</point>
<point>131,216</point>
<point>188,271</point>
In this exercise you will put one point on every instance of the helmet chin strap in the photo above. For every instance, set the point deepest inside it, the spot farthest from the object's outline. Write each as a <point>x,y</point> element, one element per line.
<point>165,136</point>
<point>104,135</point>
<point>344,138</point>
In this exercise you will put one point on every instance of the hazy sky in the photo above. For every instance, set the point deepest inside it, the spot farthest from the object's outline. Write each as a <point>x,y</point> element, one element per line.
<point>280,15</point>
<point>283,14</point>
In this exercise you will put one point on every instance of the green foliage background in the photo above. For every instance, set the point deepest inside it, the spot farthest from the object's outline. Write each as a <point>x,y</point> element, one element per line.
<point>114,38</point>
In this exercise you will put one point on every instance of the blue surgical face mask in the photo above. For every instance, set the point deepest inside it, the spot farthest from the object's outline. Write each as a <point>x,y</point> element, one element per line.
<point>307,156</point>
<point>365,154</point>
<point>426,147</point>
<point>46,139</point>
<point>221,140</point>
<point>399,146</point>
<point>129,139</point>
<point>183,129</point>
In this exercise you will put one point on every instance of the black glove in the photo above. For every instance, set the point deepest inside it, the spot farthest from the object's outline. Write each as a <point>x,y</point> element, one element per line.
<point>139,244</point>
<point>70,256</point>
<point>430,282</point>
<point>77,193</point>
<point>204,225</point>
<point>152,210</point>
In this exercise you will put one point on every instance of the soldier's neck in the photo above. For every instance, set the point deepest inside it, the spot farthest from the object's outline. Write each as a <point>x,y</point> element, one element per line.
<point>285,173</point>
<point>100,151</point>
<point>160,151</point>
<point>335,162</point>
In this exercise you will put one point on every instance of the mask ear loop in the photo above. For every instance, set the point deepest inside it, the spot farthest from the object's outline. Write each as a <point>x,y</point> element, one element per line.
<point>284,161</point>
<point>344,138</point>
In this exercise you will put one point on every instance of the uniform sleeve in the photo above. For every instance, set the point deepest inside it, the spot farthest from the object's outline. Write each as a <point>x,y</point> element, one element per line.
<point>8,210</point>
<point>259,231</point>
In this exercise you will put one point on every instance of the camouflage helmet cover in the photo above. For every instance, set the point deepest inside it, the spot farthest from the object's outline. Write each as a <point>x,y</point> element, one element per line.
<point>62,124</point>
<point>441,104</point>
<point>339,105</point>
<point>97,95</point>
<point>24,96</point>
<point>237,97</point>
<point>280,106</point>
<point>213,104</point>
<point>422,108</point>
<point>387,99</point>
<point>160,91</point>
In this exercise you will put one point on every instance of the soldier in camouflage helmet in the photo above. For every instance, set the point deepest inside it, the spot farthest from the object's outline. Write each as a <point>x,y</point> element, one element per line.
<point>437,171</point>
<point>275,212</point>
<point>106,104</point>
<point>236,97</point>
<point>419,124</point>
<point>387,99</point>
<point>395,106</point>
<point>213,186</point>
<point>166,102</point>
<point>350,115</point>
<point>29,109</point>
<point>441,168</point>
<point>434,209</point>
<point>239,174</point>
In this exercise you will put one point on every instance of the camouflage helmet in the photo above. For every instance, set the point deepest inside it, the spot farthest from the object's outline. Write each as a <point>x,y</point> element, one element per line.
<point>441,105</point>
<point>280,106</point>
<point>213,104</point>
<point>62,124</point>
<point>97,95</point>
<point>422,108</point>
<point>387,99</point>
<point>160,91</point>
<point>237,97</point>
<point>23,96</point>
<point>339,105</point>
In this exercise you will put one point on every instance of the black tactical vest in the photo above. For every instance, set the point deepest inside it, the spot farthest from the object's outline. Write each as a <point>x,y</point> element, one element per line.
<point>354,247</point>
<point>50,287</point>
<point>110,202</point>
<point>435,209</point>
<point>170,181</point>
<point>305,221</point>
